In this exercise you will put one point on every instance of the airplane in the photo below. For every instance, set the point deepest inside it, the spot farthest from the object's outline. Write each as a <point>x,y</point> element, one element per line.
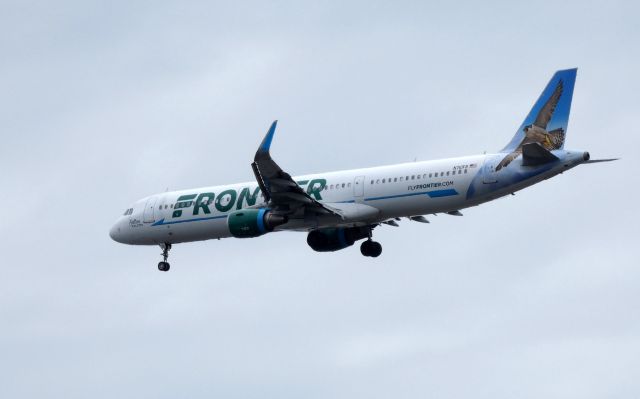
<point>336,209</point>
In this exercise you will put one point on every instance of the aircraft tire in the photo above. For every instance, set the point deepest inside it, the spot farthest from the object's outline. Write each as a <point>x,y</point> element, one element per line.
<point>371,248</point>
<point>376,249</point>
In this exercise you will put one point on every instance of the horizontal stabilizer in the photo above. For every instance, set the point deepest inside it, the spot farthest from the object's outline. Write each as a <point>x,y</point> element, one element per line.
<point>601,160</point>
<point>535,154</point>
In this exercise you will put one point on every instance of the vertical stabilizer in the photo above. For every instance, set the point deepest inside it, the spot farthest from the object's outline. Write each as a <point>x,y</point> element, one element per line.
<point>546,123</point>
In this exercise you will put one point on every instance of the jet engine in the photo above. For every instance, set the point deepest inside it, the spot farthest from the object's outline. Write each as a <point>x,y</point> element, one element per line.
<point>334,239</point>
<point>247,223</point>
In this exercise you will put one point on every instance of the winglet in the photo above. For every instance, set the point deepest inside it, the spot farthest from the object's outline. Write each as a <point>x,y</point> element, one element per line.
<point>266,142</point>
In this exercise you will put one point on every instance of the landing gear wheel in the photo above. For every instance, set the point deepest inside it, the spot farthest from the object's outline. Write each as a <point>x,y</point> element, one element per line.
<point>164,265</point>
<point>371,248</point>
<point>365,247</point>
<point>376,249</point>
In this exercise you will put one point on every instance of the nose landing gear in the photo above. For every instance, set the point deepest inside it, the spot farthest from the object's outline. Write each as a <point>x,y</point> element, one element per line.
<point>164,265</point>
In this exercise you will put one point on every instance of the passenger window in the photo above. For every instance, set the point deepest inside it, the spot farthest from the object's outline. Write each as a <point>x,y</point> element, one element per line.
<point>382,181</point>
<point>407,178</point>
<point>401,178</point>
<point>343,185</point>
<point>395,180</point>
<point>331,187</point>
<point>465,171</point>
<point>413,177</point>
<point>371,181</point>
<point>378,181</point>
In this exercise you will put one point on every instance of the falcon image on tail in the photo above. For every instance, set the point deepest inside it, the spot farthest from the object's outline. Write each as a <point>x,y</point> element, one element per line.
<point>537,131</point>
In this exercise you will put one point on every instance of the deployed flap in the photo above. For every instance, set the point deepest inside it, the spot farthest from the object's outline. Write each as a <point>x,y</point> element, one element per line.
<point>535,154</point>
<point>280,191</point>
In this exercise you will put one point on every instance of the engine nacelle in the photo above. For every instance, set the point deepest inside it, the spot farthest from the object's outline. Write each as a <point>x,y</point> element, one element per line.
<point>334,239</point>
<point>247,223</point>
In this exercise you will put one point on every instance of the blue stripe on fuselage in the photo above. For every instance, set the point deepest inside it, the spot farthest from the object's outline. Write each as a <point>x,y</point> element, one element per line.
<point>161,222</point>
<point>431,194</point>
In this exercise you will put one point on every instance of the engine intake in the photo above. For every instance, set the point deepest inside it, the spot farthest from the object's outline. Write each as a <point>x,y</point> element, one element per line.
<point>334,239</point>
<point>248,223</point>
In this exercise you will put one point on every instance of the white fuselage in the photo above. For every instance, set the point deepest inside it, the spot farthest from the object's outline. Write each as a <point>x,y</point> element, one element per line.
<point>402,190</point>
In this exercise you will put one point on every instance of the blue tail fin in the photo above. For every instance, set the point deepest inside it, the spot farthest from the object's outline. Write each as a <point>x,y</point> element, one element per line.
<point>547,121</point>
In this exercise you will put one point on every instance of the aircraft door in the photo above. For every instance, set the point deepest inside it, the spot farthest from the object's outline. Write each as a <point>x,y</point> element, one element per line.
<point>149,209</point>
<point>161,202</point>
<point>358,186</point>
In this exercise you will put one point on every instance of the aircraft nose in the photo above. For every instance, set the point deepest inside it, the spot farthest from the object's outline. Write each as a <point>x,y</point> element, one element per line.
<point>115,233</point>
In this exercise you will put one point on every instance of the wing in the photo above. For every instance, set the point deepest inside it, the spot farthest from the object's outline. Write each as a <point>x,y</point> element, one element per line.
<point>282,194</point>
<point>545,114</point>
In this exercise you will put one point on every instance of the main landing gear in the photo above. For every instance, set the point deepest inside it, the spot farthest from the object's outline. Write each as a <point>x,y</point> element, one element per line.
<point>164,265</point>
<point>370,248</point>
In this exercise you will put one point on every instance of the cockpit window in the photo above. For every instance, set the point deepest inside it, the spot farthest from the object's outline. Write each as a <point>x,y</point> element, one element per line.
<point>128,212</point>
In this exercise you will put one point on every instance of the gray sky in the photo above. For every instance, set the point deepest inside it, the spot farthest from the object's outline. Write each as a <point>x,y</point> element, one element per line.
<point>105,102</point>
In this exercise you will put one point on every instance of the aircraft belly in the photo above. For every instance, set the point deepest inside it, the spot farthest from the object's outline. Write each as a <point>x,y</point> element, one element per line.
<point>188,230</point>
